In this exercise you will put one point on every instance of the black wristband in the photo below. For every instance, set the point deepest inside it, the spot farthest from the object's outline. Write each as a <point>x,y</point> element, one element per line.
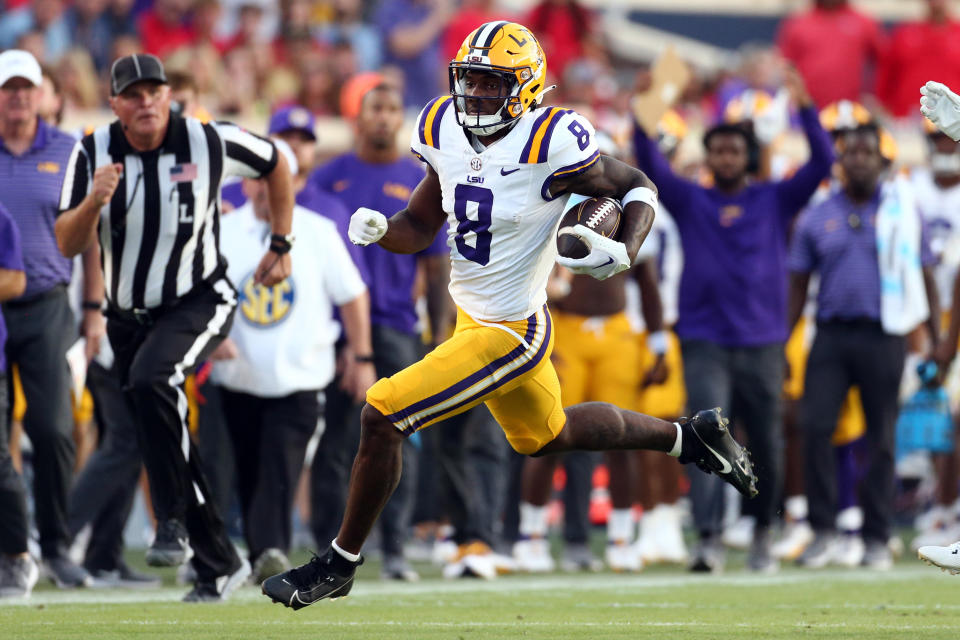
<point>280,244</point>
<point>366,358</point>
<point>91,305</point>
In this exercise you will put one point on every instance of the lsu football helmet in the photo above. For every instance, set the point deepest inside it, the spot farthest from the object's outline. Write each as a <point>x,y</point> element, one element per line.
<point>844,114</point>
<point>510,51</point>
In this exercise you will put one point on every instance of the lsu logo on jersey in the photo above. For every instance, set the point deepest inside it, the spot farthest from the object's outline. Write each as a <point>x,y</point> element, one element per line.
<point>263,306</point>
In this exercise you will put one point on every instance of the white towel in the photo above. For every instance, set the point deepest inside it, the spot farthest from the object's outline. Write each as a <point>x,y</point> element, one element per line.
<point>903,298</point>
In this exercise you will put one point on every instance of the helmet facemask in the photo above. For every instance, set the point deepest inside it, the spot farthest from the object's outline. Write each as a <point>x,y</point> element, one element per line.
<point>508,98</point>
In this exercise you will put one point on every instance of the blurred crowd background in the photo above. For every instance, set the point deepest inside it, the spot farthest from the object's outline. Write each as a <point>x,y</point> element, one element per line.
<point>248,57</point>
<point>244,60</point>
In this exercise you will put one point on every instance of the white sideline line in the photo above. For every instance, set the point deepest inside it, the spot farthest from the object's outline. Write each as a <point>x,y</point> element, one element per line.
<point>374,588</point>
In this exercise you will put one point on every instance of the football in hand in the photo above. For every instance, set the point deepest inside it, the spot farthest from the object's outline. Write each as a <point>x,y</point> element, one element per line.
<point>601,215</point>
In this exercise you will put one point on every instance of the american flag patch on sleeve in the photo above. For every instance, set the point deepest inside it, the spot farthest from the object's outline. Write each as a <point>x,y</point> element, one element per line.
<point>183,172</point>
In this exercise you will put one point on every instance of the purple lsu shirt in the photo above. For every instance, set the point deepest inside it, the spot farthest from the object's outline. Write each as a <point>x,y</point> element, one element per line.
<point>838,239</point>
<point>733,290</point>
<point>10,258</point>
<point>385,188</point>
<point>30,190</point>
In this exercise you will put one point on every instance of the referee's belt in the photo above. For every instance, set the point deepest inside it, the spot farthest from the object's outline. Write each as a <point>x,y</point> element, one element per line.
<point>146,317</point>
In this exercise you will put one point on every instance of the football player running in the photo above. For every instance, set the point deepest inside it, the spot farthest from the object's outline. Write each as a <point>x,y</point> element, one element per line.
<point>498,168</point>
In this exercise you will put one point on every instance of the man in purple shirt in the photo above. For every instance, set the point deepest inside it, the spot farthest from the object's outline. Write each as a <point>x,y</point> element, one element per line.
<point>33,160</point>
<point>18,571</point>
<point>838,239</point>
<point>376,176</point>
<point>733,302</point>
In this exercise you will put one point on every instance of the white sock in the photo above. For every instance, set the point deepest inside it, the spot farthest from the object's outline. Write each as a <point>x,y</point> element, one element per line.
<point>533,520</point>
<point>796,507</point>
<point>675,452</point>
<point>620,526</point>
<point>352,557</point>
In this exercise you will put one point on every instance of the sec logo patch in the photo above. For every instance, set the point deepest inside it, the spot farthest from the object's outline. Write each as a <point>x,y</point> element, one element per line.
<point>264,307</point>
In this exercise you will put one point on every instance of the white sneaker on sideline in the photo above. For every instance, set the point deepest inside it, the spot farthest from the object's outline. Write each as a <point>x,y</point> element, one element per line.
<point>739,535</point>
<point>796,536</point>
<point>533,555</point>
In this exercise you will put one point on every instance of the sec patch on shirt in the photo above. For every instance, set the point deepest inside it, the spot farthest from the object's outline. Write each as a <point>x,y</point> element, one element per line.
<point>264,307</point>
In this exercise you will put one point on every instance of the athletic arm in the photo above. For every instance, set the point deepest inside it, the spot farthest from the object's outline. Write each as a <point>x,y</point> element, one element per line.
<point>413,229</point>
<point>608,177</point>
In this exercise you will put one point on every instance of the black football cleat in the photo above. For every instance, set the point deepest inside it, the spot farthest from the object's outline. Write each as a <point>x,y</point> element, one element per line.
<point>327,576</point>
<point>708,444</point>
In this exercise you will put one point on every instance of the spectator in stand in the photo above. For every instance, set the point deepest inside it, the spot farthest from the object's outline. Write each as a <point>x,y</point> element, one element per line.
<point>163,28</point>
<point>46,16</point>
<point>249,26</point>
<point>90,27</point>
<point>468,16</point>
<point>411,31</point>
<point>833,31</point>
<point>33,42</point>
<point>908,63</point>
<point>79,84</point>
<point>348,27</point>
<point>203,20</point>
<point>51,100</point>
<point>319,89</point>
<point>564,27</point>
<point>119,17</point>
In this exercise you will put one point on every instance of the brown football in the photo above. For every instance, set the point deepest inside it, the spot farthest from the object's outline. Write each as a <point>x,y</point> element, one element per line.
<point>597,214</point>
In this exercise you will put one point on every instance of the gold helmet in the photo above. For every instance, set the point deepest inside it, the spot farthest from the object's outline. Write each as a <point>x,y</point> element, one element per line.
<point>671,130</point>
<point>747,105</point>
<point>844,114</point>
<point>510,51</point>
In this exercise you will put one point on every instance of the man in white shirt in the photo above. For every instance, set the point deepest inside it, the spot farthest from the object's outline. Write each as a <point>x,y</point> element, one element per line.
<point>277,359</point>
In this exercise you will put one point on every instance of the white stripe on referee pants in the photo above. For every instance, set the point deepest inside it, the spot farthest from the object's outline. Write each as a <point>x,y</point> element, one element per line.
<point>216,323</point>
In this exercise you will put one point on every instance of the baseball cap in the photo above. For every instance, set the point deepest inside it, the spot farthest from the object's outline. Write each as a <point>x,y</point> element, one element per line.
<point>17,63</point>
<point>293,118</point>
<point>135,68</point>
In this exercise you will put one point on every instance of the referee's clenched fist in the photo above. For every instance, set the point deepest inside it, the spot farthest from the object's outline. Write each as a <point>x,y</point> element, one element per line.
<point>105,181</point>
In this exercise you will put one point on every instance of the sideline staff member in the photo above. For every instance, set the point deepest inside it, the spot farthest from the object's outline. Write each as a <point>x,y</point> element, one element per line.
<point>148,186</point>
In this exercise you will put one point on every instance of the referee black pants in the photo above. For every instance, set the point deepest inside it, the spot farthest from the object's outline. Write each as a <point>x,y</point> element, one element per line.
<point>846,354</point>
<point>153,356</point>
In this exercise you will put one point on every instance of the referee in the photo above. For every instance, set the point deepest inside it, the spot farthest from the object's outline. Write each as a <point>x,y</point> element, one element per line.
<point>147,186</point>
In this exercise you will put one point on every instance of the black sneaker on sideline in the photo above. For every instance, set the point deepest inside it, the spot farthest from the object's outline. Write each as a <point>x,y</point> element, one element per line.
<point>65,573</point>
<point>327,576</point>
<point>171,546</point>
<point>124,577</point>
<point>219,588</point>
<point>708,444</point>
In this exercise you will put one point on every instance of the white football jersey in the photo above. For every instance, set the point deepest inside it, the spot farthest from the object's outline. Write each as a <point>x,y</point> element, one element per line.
<point>940,209</point>
<point>502,217</point>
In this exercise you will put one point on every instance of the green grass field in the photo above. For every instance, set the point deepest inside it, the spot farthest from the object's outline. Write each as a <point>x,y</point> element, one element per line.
<point>913,601</point>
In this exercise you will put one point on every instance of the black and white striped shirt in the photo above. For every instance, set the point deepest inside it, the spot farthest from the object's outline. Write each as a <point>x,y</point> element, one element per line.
<point>159,234</point>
